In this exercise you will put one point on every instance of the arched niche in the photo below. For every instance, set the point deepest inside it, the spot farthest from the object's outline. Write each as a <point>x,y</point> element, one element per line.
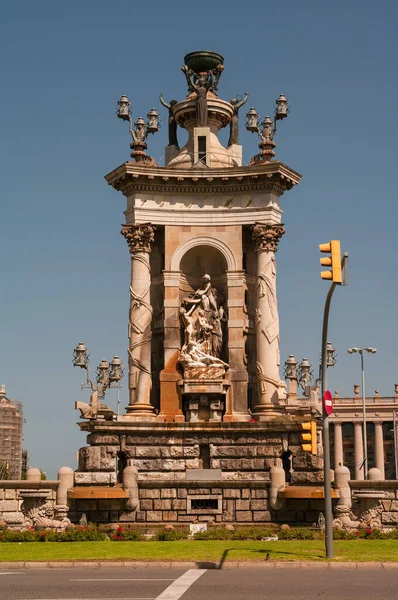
<point>197,261</point>
<point>208,242</point>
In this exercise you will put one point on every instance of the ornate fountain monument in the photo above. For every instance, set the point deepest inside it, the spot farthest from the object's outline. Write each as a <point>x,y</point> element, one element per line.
<point>206,400</point>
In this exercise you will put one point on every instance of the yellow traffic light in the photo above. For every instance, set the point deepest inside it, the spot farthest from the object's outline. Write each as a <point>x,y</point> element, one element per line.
<point>309,439</point>
<point>334,261</point>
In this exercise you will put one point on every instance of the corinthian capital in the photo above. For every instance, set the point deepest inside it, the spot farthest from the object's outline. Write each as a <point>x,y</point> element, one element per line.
<point>266,237</point>
<point>139,237</point>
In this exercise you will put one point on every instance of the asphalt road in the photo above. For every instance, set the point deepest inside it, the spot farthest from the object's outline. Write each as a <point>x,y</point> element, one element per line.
<point>251,583</point>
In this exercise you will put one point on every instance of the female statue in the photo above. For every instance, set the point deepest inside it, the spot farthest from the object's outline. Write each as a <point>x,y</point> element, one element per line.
<point>234,127</point>
<point>172,122</point>
<point>201,88</point>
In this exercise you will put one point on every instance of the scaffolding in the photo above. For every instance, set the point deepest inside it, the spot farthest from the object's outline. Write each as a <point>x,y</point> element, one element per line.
<point>11,426</point>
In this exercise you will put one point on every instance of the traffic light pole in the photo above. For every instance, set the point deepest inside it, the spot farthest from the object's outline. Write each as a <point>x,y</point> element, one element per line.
<point>325,423</point>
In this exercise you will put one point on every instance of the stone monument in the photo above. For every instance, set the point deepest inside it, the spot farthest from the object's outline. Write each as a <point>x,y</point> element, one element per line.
<point>207,414</point>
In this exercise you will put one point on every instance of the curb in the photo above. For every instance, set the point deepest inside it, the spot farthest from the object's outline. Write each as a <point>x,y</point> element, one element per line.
<point>198,565</point>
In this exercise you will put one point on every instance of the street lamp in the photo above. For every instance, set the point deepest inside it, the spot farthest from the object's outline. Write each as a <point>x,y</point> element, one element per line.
<point>141,129</point>
<point>298,372</point>
<point>107,375</point>
<point>266,130</point>
<point>330,355</point>
<point>365,443</point>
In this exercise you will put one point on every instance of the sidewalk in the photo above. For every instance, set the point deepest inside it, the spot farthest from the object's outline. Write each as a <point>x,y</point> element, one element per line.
<point>198,565</point>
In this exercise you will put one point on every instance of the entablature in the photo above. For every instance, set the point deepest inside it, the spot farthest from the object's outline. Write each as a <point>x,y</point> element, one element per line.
<point>271,176</point>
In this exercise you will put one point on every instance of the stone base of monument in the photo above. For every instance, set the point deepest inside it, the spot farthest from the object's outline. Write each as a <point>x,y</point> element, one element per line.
<point>212,471</point>
<point>201,408</point>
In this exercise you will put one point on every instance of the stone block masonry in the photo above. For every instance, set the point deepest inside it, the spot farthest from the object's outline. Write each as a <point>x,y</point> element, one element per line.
<point>238,455</point>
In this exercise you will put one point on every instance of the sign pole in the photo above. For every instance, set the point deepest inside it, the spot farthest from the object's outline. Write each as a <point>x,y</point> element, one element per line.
<point>325,417</point>
<point>325,433</point>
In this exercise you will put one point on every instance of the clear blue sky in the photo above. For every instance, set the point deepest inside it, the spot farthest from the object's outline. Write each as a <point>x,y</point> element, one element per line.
<point>64,265</point>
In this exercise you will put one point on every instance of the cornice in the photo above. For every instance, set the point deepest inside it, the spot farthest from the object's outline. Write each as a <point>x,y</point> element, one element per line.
<point>273,177</point>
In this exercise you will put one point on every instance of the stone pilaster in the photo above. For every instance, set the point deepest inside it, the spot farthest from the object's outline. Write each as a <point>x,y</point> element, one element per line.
<point>379,447</point>
<point>270,387</point>
<point>236,400</point>
<point>170,394</point>
<point>140,239</point>
<point>358,451</point>
<point>338,445</point>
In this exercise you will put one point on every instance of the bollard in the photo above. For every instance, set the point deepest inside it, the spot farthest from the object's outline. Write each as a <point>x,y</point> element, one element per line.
<point>130,476</point>
<point>278,483</point>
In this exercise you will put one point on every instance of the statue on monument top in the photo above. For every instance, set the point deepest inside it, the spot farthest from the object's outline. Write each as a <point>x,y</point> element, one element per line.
<point>202,71</point>
<point>234,127</point>
<point>202,319</point>
<point>172,122</point>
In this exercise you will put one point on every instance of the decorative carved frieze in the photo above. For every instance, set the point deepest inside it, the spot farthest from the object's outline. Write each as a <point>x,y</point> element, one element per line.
<point>139,237</point>
<point>266,237</point>
<point>209,187</point>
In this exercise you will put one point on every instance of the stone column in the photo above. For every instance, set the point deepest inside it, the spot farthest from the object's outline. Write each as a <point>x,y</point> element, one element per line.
<point>140,239</point>
<point>270,386</point>
<point>358,450</point>
<point>379,447</point>
<point>338,445</point>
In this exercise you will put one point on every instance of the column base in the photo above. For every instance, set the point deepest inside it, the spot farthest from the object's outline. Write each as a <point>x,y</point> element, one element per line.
<point>267,412</point>
<point>140,412</point>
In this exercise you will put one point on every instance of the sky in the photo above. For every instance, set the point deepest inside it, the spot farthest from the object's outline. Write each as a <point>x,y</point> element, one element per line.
<point>64,267</point>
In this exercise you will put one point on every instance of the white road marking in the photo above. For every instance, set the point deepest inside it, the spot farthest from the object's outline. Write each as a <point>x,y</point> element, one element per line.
<point>11,573</point>
<point>180,585</point>
<point>102,598</point>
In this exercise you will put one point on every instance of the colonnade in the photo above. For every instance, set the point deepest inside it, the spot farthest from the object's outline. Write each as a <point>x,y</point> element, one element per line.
<point>358,447</point>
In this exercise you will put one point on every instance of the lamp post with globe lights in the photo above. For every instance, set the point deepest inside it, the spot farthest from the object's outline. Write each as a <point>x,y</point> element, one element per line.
<point>108,375</point>
<point>140,130</point>
<point>365,442</point>
<point>266,130</point>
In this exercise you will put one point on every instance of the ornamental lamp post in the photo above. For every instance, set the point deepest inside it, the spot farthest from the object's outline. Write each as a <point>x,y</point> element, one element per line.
<point>115,370</point>
<point>124,109</point>
<point>102,373</point>
<point>140,130</point>
<point>153,121</point>
<point>331,358</point>
<point>365,442</point>
<point>291,368</point>
<point>252,120</point>
<point>106,374</point>
<point>267,130</point>
<point>281,108</point>
<point>305,373</point>
<point>80,356</point>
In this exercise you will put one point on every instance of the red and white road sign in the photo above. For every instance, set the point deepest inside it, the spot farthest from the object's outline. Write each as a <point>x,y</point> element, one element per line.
<point>328,402</point>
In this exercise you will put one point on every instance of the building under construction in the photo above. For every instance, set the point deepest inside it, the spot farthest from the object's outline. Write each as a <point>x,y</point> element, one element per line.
<point>11,426</point>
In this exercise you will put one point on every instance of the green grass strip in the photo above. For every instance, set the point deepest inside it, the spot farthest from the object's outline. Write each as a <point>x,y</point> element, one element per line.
<point>292,550</point>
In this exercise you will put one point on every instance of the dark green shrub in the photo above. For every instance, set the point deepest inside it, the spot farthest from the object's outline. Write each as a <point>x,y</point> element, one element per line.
<point>300,534</point>
<point>253,533</point>
<point>171,536</point>
<point>214,534</point>
<point>343,534</point>
<point>19,536</point>
<point>82,534</point>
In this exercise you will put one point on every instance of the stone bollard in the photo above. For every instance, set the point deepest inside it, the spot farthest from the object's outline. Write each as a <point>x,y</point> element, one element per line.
<point>66,478</point>
<point>278,483</point>
<point>342,477</point>
<point>375,474</point>
<point>130,476</point>
<point>33,475</point>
